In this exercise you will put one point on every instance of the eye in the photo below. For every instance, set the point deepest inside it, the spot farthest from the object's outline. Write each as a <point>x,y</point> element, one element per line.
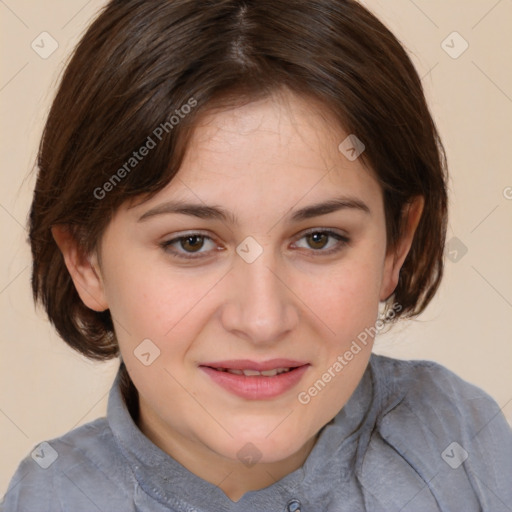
<point>319,239</point>
<point>190,244</point>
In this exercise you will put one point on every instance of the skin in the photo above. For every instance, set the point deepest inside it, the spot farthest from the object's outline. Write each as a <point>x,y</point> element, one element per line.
<point>262,162</point>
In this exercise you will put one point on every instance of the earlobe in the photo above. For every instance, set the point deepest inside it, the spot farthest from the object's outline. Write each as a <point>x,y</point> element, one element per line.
<point>396,257</point>
<point>83,268</point>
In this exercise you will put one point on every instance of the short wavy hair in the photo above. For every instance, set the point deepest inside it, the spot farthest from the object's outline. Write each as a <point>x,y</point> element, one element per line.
<point>140,61</point>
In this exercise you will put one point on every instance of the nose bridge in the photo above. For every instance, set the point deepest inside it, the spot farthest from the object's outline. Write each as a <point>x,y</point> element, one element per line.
<point>261,306</point>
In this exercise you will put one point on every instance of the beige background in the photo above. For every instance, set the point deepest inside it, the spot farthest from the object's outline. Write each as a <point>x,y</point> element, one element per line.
<point>46,389</point>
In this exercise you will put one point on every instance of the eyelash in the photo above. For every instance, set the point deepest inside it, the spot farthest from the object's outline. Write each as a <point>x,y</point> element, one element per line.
<point>342,242</point>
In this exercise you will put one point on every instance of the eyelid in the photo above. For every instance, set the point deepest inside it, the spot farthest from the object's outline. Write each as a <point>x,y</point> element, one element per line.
<point>333,231</point>
<point>182,235</point>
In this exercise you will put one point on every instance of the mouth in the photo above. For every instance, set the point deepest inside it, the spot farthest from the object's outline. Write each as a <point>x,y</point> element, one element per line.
<point>255,373</point>
<point>256,380</point>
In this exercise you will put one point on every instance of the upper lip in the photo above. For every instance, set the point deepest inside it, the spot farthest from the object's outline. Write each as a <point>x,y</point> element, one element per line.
<point>261,366</point>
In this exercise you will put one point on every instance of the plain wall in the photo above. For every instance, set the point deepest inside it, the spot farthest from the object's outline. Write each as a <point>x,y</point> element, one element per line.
<point>47,389</point>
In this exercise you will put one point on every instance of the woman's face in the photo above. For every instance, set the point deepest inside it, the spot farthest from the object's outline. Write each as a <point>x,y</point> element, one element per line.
<point>267,251</point>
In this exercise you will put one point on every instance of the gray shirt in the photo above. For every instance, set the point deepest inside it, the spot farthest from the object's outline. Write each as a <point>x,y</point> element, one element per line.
<point>413,437</point>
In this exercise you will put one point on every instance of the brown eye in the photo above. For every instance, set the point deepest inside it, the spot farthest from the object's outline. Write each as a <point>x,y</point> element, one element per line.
<point>323,242</point>
<point>317,240</point>
<point>192,243</point>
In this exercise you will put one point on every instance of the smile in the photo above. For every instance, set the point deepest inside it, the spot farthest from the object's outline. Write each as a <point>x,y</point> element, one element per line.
<point>256,381</point>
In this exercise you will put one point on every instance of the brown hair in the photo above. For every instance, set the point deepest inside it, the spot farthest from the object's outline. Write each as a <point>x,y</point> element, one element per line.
<point>142,61</point>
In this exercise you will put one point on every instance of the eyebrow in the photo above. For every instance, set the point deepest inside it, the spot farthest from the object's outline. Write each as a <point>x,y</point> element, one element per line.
<point>202,211</point>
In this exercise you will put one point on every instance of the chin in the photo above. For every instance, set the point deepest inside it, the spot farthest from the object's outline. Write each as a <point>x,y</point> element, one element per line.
<point>262,450</point>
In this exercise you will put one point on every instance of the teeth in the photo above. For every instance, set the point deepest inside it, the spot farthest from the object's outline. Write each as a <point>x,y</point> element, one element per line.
<point>254,373</point>
<point>270,373</point>
<point>236,372</point>
<point>251,373</point>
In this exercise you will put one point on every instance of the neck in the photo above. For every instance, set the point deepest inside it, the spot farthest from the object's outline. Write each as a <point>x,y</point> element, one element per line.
<point>233,477</point>
<point>240,479</point>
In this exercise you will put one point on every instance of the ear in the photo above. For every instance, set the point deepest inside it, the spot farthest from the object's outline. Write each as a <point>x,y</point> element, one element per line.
<point>83,268</point>
<point>396,256</point>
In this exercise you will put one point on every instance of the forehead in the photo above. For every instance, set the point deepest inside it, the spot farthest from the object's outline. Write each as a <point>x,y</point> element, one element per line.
<point>294,132</point>
<point>269,155</point>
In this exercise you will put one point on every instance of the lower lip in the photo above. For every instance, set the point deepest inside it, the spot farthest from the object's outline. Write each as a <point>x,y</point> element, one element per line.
<point>257,387</point>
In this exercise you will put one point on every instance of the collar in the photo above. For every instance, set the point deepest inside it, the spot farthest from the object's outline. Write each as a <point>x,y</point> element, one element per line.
<point>164,479</point>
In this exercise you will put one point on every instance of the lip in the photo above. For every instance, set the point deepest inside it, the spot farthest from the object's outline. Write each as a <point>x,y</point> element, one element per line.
<point>256,387</point>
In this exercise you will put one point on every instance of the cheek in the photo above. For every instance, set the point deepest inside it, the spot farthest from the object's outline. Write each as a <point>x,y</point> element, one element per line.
<point>149,302</point>
<point>348,305</point>
<point>349,296</point>
<point>148,296</point>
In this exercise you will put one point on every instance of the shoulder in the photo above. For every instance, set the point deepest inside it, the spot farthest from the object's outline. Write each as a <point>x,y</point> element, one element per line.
<point>451,432</point>
<point>424,382</point>
<point>44,480</point>
<point>429,389</point>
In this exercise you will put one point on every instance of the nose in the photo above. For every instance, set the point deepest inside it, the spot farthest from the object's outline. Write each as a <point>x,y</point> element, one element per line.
<point>261,306</point>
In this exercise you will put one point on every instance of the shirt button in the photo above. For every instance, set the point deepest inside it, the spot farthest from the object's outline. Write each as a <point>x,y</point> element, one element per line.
<point>293,506</point>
